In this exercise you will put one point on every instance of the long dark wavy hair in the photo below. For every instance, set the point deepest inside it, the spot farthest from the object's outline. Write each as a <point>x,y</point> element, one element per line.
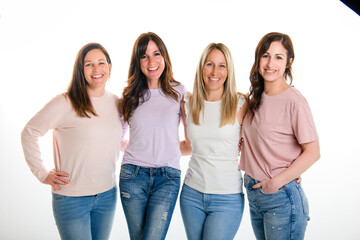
<point>137,91</point>
<point>256,80</point>
<point>77,89</point>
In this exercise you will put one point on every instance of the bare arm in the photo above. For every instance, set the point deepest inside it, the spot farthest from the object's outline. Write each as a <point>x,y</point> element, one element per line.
<point>310,154</point>
<point>185,145</point>
<point>240,117</point>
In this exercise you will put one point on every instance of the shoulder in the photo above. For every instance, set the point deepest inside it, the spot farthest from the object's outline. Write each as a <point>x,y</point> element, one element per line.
<point>296,96</point>
<point>187,97</point>
<point>60,100</point>
<point>241,100</point>
<point>179,87</point>
<point>56,106</point>
<point>111,96</point>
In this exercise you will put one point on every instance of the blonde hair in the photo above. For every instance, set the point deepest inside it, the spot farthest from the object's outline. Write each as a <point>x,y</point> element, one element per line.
<point>230,96</point>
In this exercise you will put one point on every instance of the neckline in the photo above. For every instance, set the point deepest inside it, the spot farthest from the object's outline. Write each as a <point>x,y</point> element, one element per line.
<point>217,101</point>
<point>281,93</point>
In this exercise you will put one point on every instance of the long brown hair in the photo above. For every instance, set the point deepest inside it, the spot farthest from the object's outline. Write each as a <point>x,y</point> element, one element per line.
<point>137,91</point>
<point>77,90</point>
<point>230,96</point>
<point>256,80</point>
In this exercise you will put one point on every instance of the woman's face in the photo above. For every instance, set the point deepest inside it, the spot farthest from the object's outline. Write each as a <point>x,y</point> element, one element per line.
<point>152,63</point>
<point>215,71</point>
<point>96,70</point>
<point>273,63</point>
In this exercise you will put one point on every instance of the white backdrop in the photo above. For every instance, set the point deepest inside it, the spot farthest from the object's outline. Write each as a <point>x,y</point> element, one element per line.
<point>39,40</point>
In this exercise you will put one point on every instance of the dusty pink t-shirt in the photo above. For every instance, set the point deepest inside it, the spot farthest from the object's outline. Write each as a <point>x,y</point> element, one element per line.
<point>272,141</point>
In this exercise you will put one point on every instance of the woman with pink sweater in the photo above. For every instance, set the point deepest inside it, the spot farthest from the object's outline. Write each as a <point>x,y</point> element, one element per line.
<point>86,138</point>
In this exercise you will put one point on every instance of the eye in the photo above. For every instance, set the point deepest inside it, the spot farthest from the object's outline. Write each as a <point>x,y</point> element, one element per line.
<point>157,54</point>
<point>143,57</point>
<point>87,65</point>
<point>209,64</point>
<point>279,58</point>
<point>265,56</point>
<point>222,66</point>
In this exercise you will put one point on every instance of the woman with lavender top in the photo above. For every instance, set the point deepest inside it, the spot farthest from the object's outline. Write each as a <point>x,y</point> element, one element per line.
<point>150,172</point>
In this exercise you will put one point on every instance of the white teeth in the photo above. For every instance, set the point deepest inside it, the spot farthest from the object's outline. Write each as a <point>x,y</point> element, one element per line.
<point>215,79</point>
<point>98,76</point>
<point>270,71</point>
<point>152,69</point>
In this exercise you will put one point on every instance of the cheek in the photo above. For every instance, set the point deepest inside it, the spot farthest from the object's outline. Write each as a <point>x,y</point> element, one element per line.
<point>142,66</point>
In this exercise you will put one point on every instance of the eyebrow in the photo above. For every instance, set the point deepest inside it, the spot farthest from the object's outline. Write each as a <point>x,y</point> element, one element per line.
<point>101,59</point>
<point>276,54</point>
<point>213,62</point>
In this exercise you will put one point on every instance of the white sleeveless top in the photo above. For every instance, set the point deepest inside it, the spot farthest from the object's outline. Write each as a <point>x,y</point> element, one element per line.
<point>213,166</point>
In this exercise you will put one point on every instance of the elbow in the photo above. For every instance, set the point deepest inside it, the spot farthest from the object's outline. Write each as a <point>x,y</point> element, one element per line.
<point>317,153</point>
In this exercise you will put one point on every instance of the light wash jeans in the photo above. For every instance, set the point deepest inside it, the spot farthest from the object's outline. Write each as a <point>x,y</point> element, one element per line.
<point>282,215</point>
<point>148,197</point>
<point>84,218</point>
<point>210,216</point>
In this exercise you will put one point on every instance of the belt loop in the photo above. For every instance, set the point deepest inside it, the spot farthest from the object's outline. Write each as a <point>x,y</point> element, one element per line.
<point>163,170</point>
<point>137,170</point>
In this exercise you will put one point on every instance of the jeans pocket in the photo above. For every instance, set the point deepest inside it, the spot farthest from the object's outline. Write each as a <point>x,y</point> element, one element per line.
<point>172,173</point>
<point>277,192</point>
<point>304,199</point>
<point>58,197</point>
<point>127,171</point>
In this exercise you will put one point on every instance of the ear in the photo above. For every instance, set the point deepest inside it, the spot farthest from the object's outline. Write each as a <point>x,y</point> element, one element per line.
<point>290,61</point>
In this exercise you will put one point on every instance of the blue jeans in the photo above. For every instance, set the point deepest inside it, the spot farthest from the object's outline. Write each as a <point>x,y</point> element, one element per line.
<point>210,216</point>
<point>148,197</point>
<point>88,217</point>
<point>282,215</point>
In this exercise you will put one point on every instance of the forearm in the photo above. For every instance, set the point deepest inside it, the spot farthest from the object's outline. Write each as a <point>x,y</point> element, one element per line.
<point>305,160</point>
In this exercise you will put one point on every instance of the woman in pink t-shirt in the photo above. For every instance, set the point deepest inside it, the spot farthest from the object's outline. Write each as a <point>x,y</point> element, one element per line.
<point>280,143</point>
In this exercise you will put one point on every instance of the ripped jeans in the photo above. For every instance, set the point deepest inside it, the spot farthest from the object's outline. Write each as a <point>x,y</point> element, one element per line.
<point>282,215</point>
<point>148,197</point>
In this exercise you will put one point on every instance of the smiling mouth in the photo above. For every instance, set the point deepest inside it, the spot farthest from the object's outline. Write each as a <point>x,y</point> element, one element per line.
<point>270,71</point>
<point>97,76</point>
<point>153,69</point>
<point>215,79</point>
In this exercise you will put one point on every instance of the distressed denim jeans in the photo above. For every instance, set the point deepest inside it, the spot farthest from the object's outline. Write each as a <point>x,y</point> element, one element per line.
<point>282,215</point>
<point>84,218</point>
<point>148,197</point>
<point>210,216</point>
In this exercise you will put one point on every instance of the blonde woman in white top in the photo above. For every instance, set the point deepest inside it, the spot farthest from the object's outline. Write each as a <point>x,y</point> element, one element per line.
<point>212,200</point>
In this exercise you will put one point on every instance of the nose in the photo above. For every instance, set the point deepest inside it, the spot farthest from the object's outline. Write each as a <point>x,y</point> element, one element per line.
<point>95,68</point>
<point>150,60</point>
<point>213,71</point>
<point>269,62</point>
